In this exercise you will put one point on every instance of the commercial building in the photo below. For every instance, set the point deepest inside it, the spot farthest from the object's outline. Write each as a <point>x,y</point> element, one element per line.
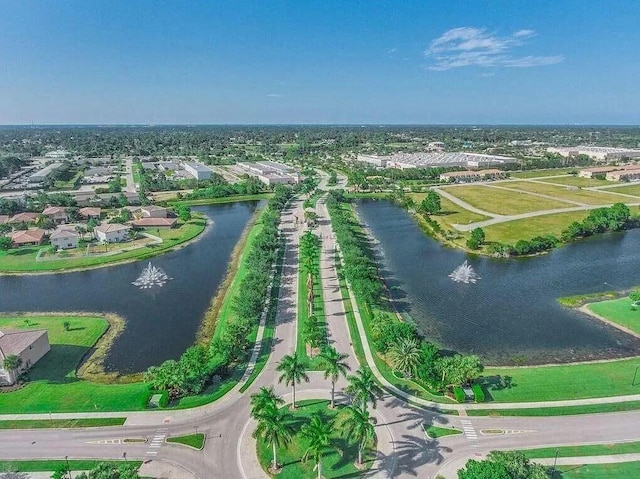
<point>436,159</point>
<point>472,175</point>
<point>198,170</point>
<point>600,153</point>
<point>631,173</point>
<point>270,172</point>
<point>41,175</point>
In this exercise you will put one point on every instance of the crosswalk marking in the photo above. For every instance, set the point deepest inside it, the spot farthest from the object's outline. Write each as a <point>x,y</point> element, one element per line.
<point>157,441</point>
<point>469,430</point>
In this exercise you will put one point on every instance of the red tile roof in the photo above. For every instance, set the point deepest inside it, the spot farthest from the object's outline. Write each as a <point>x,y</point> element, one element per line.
<point>28,236</point>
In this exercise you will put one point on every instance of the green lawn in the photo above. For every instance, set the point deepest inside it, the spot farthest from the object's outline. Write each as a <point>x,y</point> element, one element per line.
<point>434,432</point>
<point>53,385</point>
<point>225,199</point>
<point>539,173</point>
<point>195,441</point>
<point>24,259</point>
<point>633,189</point>
<point>589,450</point>
<point>313,363</point>
<point>503,202</point>
<point>47,465</point>
<point>61,423</point>
<point>551,383</point>
<point>450,213</point>
<point>589,197</point>
<point>334,464</point>
<point>579,181</point>
<point>619,311</point>
<point>512,231</point>
<point>621,470</point>
<point>558,411</point>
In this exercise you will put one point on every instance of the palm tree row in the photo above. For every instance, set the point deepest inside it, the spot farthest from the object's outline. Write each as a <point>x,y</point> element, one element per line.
<point>309,258</point>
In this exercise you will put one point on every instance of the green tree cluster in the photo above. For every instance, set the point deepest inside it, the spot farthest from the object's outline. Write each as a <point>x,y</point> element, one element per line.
<point>476,239</point>
<point>103,470</point>
<point>503,465</point>
<point>184,377</point>
<point>430,205</point>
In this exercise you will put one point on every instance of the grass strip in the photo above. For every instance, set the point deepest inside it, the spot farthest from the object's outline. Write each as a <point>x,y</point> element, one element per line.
<point>195,441</point>
<point>600,471</point>
<point>61,423</point>
<point>435,432</point>
<point>588,450</point>
<point>269,326</point>
<point>313,364</point>
<point>47,465</point>
<point>558,411</point>
<point>225,199</point>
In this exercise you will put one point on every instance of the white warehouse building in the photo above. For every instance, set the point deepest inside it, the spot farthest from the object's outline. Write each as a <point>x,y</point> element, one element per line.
<point>198,170</point>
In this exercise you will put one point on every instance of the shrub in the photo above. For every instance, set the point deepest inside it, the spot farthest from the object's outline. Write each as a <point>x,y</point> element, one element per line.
<point>478,392</point>
<point>458,394</point>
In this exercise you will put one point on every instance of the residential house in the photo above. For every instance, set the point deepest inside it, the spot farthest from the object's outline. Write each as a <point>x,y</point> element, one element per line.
<point>29,345</point>
<point>4,219</point>
<point>65,238</point>
<point>153,211</point>
<point>90,212</point>
<point>57,214</point>
<point>155,222</point>
<point>111,232</point>
<point>32,237</point>
<point>23,218</point>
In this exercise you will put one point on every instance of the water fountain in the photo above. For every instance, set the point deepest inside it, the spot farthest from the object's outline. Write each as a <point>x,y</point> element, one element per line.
<point>151,276</point>
<point>464,274</point>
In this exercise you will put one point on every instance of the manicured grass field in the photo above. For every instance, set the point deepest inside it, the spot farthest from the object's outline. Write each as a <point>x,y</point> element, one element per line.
<point>334,464</point>
<point>633,189</point>
<point>512,231</point>
<point>434,432</point>
<point>578,181</point>
<point>195,441</point>
<point>501,201</point>
<point>53,385</point>
<point>588,197</point>
<point>24,259</point>
<point>450,213</point>
<point>618,311</point>
<point>590,450</point>
<point>539,173</point>
<point>61,423</point>
<point>576,381</point>
<point>621,470</point>
<point>225,199</point>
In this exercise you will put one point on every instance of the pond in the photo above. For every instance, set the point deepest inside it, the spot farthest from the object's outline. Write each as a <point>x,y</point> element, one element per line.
<point>511,315</point>
<point>161,322</point>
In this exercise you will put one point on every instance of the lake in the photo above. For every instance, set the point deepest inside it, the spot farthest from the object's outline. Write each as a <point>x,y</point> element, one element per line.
<point>511,315</point>
<point>161,322</point>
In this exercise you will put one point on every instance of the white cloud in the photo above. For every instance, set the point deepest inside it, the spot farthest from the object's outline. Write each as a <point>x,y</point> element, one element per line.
<point>273,95</point>
<point>471,46</point>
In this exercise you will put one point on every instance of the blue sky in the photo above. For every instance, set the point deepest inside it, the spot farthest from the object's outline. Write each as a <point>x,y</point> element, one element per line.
<point>471,62</point>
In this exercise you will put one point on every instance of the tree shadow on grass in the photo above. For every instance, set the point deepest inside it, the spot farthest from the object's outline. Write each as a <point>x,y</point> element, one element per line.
<point>59,364</point>
<point>495,383</point>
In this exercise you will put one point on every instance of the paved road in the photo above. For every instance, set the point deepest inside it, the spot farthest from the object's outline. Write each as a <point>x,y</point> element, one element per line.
<point>128,168</point>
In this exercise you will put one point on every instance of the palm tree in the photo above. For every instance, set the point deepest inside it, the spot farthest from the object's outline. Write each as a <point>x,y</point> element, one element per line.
<point>263,399</point>
<point>12,363</point>
<point>363,387</point>
<point>335,365</point>
<point>293,372</point>
<point>274,427</point>
<point>359,426</point>
<point>405,355</point>
<point>318,433</point>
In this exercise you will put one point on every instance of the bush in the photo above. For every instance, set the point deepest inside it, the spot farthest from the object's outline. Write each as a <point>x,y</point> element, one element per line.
<point>478,392</point>
<point>458,394</point>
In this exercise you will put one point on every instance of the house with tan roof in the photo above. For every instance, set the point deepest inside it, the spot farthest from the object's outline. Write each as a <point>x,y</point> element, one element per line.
<point>153,211</point>
<point>57,214</point>
<point>32,237</point>
<point>155,222</point>
<point>90,212</point>
<point>111,232</point>
<point>30,345</point>
<point>23,218</point>
<point>4,219</point>
<point>64,238</point>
